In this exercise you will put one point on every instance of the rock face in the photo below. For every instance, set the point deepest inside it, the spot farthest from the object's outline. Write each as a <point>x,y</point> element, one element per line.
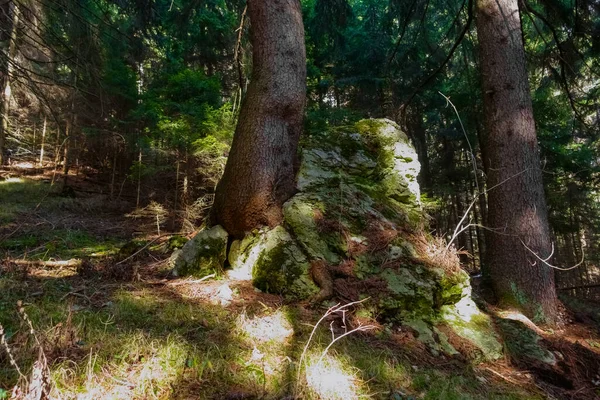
<point>203,255</point>
<point>274,262</point>
<point>357,217</point>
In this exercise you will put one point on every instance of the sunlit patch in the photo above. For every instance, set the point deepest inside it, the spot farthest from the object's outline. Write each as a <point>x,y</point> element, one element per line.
<point>145,369</point>
<point>329,381</point>
<point>518,316</point>
<point>466,308</point>
<point>12,180</point>
<point>270,327</point>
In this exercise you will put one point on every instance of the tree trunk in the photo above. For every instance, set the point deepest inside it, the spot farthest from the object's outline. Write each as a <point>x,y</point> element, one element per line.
<point>43,142</point>
<point>260,171</point>
<point>516,203</point>
<point>6,89</point>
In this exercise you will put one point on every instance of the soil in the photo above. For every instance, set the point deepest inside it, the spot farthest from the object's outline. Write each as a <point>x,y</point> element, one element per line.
<point>576,344</point>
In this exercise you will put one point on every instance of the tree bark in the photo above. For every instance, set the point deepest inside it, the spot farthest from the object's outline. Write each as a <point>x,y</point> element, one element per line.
<point>260,171</point>
<point>43,142</point>
<point>516,204</point>
<point>6,89</point>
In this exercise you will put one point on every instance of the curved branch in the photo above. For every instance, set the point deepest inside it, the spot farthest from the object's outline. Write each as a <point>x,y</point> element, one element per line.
<point>461,36</point>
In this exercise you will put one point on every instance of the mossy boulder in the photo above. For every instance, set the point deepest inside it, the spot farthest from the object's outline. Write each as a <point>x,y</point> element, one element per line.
<point>301,214</point>
<point>356,224</point>
<point>204,254</point>
<point>410,293</point>
<point>275,263</point>
<point>524,345</point>
<point>468,322</point>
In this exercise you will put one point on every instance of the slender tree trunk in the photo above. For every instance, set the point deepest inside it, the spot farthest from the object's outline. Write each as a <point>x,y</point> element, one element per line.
<point>34,137</point>
<point>139,180</point>
<point>43,142</point>
<point>69,137</point>
<point>186,174</point>
<point>66,152</point>
<point>6,89</point>
<point>260,171</point>
<point>113,175</point>
<point>57,146</point>
<point>516,205</point>
<point>176,205</point>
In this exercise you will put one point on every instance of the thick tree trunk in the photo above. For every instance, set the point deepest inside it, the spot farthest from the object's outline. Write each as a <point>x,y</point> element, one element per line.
<point>516,204</point>
<point>260,171</point>
<point>6,89</point>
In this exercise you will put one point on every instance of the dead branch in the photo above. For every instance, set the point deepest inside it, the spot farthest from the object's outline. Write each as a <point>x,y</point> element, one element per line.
<point>74,262</point>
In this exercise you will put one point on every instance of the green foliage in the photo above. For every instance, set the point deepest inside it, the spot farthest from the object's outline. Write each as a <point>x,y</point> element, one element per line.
<point>178,107</point>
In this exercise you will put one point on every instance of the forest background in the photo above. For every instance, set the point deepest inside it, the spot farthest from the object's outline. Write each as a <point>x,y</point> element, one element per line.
<point>144,97</point>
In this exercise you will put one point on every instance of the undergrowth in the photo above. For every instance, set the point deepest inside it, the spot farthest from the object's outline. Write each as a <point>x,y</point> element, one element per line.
<point>140,341</point>
<point>106,338</point>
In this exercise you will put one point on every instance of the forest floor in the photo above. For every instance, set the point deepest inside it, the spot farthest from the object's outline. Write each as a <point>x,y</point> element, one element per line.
<point>108,323</point>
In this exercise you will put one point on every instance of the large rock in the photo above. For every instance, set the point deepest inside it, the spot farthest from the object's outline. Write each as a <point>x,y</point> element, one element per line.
<point>203,255</point>
<point>355,227</point>
<point>468,322</point>
<point>274,262</point>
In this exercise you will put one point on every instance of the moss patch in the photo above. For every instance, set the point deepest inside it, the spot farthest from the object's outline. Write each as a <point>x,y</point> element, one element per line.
<point>204,254</point>
<point>523,344</point>
<point>281,267</point>
<point>465,319</point>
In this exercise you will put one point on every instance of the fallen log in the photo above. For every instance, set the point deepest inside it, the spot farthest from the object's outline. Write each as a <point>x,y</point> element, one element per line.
<point>72,263</point>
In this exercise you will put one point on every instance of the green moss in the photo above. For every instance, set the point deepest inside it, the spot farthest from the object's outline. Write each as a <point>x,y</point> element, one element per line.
<point>523,343</point>
<point>465,319</point>
<point>409,295</point>
<point>518,296</point>
<point>203,255</point>
<point>282,268</point>
<point>177,242</point>
<point>299,215</point>
<point>432,337</point>
<point>452,287</point>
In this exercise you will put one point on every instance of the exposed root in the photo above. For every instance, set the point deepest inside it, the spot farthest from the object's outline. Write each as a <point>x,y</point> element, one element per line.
<point>321,276</point>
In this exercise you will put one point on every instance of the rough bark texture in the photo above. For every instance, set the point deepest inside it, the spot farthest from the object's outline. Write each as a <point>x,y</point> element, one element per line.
<point>516,203</point>
<point>260,172</point>
<point>7,71</point>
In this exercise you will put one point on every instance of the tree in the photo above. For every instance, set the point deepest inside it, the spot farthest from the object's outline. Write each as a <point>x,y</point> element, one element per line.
<point>517,215</point>
<point>260,171</point>
<point>6,88</point>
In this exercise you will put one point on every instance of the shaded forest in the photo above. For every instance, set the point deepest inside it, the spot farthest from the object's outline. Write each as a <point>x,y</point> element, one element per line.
<point>130,127</point>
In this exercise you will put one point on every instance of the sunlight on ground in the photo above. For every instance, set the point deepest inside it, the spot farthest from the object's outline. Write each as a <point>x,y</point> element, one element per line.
<point>266,328</point>
<point>269,335</point>
<point>12,180</point>
<point>145,369</point>
<point>328,380</point>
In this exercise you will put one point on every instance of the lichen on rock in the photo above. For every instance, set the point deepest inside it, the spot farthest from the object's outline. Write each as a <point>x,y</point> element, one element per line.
<point>523,344</point>
<point>274,262</point>
<point>357,216</point>
<point>301,214</point>
<point>468,322</point>
<point>202,255</point>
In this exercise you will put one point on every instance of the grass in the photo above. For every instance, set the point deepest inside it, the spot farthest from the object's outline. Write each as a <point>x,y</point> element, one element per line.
<point>20,195</point>
<point>108,339</point>
<point>140,341</point>
<point>61,244</point>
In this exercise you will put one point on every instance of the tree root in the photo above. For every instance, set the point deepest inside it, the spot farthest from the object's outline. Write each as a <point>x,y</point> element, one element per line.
<point>320,274</point>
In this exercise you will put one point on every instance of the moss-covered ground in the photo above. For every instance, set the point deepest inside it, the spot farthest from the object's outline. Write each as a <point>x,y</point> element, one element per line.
<point>111,335</point>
